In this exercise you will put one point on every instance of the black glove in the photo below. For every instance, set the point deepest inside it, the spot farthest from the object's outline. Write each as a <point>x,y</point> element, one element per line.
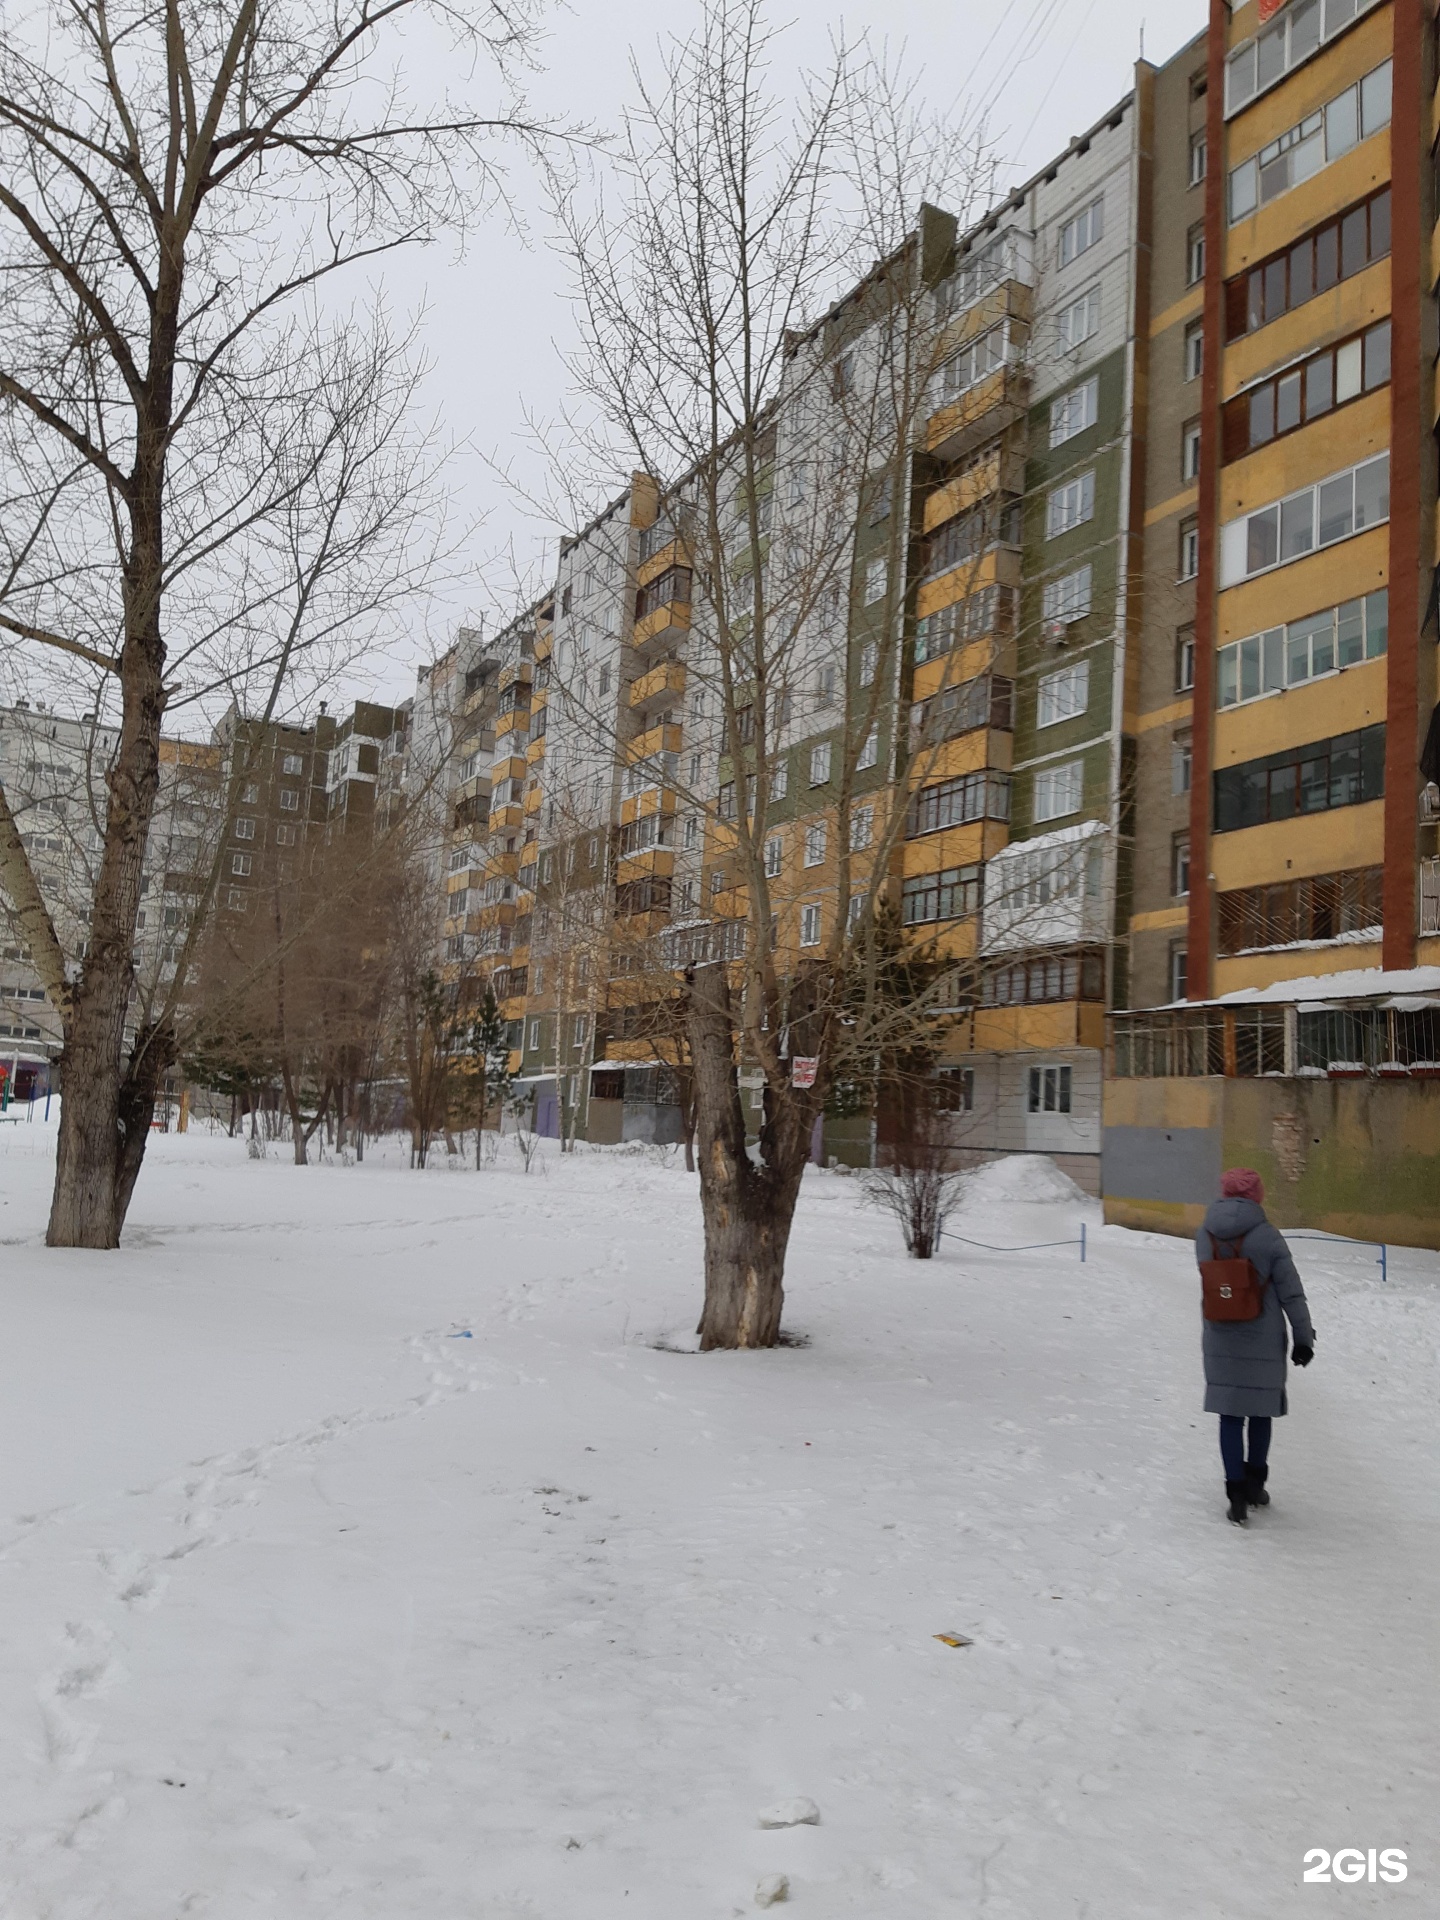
<point>1302,1355</point>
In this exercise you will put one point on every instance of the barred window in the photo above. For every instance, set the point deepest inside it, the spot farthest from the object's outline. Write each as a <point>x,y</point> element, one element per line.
<point>1320,907</point>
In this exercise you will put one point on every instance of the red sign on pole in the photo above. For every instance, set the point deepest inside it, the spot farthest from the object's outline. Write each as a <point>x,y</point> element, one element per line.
<point>803,1071</point>
<point>1268,9</point>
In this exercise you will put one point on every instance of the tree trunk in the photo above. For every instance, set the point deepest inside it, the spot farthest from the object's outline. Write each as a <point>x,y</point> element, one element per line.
<point>747,1209</point>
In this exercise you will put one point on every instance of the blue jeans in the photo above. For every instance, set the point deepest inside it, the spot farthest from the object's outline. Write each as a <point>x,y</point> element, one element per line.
<point>1232,1443</point>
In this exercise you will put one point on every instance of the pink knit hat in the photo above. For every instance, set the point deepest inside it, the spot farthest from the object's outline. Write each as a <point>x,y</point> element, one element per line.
<point>1242,1183</point>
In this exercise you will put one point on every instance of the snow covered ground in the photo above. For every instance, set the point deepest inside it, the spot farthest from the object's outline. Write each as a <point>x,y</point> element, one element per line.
<point>364,1553</point>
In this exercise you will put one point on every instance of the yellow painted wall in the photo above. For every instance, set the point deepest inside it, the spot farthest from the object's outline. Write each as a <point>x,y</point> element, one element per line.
<point>1263,969</point>
<point>673,555</point>
<point>1347,308</point>
<point>967,754</point>
<point>1311,85</point>
<point>1162,1103</point>
<point>965,663</point>
<point>954,847</point>
<point>676,614</point>
<point>1354,698</point>
<point>1000,564</point>
<point>1323,579</point>
<point>1290,849</point>
<point>1339,185</point>
<point>1335,441</point>
<point>1002,469</point>
<point>1159,919</point>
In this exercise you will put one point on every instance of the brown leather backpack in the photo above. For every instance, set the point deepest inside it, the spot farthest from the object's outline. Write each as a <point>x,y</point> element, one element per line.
<point>1231,1288</point>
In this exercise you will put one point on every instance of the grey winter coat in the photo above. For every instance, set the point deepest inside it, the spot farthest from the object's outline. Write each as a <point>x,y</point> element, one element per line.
<point>1245,1359</point>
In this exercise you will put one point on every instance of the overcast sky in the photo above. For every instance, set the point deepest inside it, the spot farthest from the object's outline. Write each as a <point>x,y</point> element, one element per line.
<point>497,321</point>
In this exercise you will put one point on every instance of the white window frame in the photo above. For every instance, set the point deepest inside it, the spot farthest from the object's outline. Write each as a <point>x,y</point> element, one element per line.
<point>1356,114</point>
<point>1063,695</point>
<point>774,856</point>
<point>1069,597</point>
<point>1246,535</point>
<point>877,580</point>
<point>862,828</point>
<point>1070,505</point>
<point>1283,54</point>
<point>817,839</point>
<point>869,750</point>
<point>1059,791</point>
<point>810,925</point>
<point>1079,321</point>
<point>1194,349</point>
<point>1050,1090</point>
<point>1075,412</point>
<point>820,756</point>
<point>1081,231</point>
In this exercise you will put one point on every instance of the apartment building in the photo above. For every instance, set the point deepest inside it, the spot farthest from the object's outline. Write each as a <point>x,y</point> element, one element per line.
<point>1309,950</point>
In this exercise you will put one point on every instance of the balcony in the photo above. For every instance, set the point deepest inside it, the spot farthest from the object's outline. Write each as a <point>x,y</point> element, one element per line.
<point>662,687</point>
<point>1002,470</point>
<point>512,767</point>
<point>658,739</point>
<point>518,675</point>
<point>987,409</point>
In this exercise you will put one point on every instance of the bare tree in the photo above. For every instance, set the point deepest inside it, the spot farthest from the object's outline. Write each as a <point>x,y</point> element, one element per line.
<point>176,187</point>
<point>721,352</point>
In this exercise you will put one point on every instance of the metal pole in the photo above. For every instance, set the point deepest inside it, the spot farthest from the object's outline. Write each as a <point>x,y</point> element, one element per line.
<point>1384,1264</point>
<point>1082,1243</point>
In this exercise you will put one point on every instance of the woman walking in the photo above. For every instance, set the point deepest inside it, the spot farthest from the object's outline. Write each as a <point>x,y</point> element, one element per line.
<point>1245,1358</point>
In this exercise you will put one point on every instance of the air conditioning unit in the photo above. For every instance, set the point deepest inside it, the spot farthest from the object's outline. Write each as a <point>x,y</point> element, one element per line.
<point>1055,632</point>
<point>1430,804</point>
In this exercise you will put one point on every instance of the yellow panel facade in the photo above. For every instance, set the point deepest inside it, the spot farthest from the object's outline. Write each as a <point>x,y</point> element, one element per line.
<point>1000,470</point>
<point>999,564</point>
<point>1347,308</point>
<point>1340,439</point>
<point>1341,572</point>
<point>1292,849</point>
<point>1315,711</point>
<point>1335,187</point>
<point>1311,85</point>
<point>965,663</point>
<point>1251,970</point>
<point>953,847</point>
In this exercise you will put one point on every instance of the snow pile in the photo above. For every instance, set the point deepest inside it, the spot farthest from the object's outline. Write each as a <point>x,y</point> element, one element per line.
<point>1023,1179</point>
<point>360,1559</point>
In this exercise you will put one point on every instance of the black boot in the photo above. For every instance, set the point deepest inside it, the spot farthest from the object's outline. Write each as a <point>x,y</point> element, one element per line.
<point>1235,1494</point>
<point>1255,1486</point>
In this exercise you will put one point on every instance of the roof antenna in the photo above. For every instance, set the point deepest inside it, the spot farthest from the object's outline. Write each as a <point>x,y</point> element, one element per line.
<point>1142,39</point>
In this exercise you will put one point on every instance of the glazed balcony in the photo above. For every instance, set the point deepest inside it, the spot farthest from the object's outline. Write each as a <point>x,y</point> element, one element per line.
<point>664,738</point>
<point>995,403</point>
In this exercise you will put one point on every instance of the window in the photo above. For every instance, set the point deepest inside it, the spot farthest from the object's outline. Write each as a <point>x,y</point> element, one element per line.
<point>725,801</point>
<point>842,375</point>
<point>1060,976</point>
<point>856,913</point>
<point>1197,158</point>
<point>1049,1090</point>
<point>1180,864</point>
<point>690,833</point>
<point>1306,649</point>
<point>1189,549</point>
<point>869,750</point>
<point>880,500</point>
<point>240,864</point>
<point>1059,790</point>
<point>547,868</point>
<point>780,780</point>
<point>969,534</point>
<point>815,838</point>
<point>1063,695</point>
<point>952,894</point>
<point>604,686</point>
<point>1324,907</point>
<point>284,835</point>
<point>249,794</point>
<point>289,799</point>
<point>744,725</point>
<point>672,588</point>
<point>592,851</point>
<point>825,687</point>
<point>774,856</point>
<point>972,364</point>
<point>582,1030</point>
<point>1195,254</point>
<point>1348,502</point>
<point>695,770</point>
<point>1079,321</point>
<point>820,764</point>
<point>534,1042</point>
<point>244,829</point>
<point>1067,598</point>
<point>1184,659</point>
<point>974,618</point>
<point>1190,450</point>
<point>810,926</point>
<point>1344,771</point>
<point>1181,755</point>
<point>862,828</point>
<point>1082,231</point>
<point>1070,506</point>
<point>952,803</point>
<point>1007,256</point>
<point>877,574</point>
<point>1073,412</point>
<point>1179,972</point>
<point>1195,350</point>
<point>1311,266</point>
<point>235,900</point>
<point>1307,390</point>
<point>717,880</point>
<point>1302,150</point>
<point>869,658</point>
<point>1259,63</point>
<point>292,763</point>
<point>566,595</point>
<point>986,701</point>
<point>955,1090</point>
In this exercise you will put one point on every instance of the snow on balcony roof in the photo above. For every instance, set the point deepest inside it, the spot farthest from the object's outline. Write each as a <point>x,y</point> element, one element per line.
<point>1359,983</point>
<point>1059,837</point>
